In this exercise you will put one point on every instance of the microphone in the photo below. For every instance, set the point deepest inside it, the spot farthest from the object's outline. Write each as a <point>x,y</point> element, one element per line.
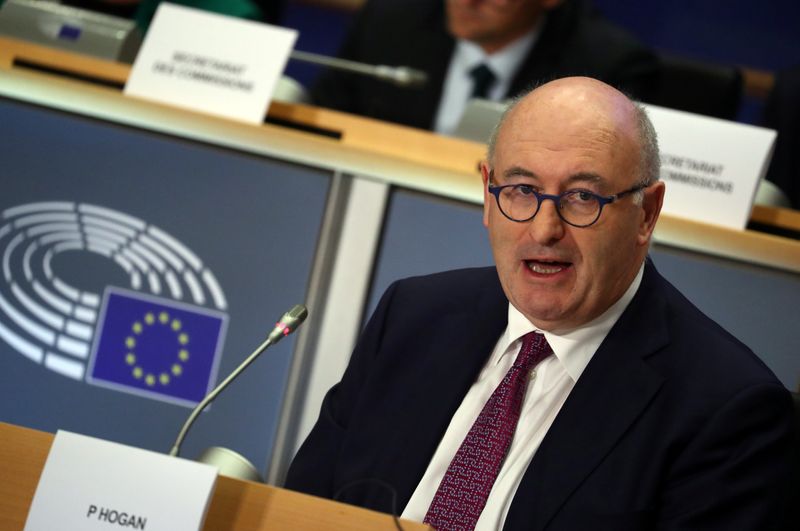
<point>287,324</point>
<point>402,76</point>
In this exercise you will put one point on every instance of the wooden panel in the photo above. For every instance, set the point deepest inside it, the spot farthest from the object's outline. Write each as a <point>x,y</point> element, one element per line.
<point>757,83</point>
<point>363,133</point>
<point>782,218</point>
<point>22,456</point>
<point>83,65</point>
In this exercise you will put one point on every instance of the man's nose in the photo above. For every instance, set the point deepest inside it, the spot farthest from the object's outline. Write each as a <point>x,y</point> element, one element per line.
<point>547,226</point>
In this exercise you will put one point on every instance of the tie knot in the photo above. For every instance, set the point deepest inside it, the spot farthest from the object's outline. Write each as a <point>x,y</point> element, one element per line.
<point>534,349</point>
<point>482,78</point>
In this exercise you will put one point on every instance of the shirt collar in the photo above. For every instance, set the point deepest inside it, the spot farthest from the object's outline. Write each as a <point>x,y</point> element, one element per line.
<point>573,348</point>
<point>505,62</point>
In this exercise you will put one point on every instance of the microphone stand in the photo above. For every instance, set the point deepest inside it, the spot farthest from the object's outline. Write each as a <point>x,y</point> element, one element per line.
<point>399,75</point>
<point>213,394</point>
<point>287,324</point>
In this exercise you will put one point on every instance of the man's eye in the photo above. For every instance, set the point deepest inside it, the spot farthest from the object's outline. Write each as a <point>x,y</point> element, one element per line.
<point>582,195</point>
<point>524,189</point>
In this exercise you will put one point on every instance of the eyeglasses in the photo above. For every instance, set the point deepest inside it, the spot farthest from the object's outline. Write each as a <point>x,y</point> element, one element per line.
<point>579,208</point>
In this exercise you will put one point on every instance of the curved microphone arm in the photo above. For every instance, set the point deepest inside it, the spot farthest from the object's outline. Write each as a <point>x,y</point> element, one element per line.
<point>285,326</point>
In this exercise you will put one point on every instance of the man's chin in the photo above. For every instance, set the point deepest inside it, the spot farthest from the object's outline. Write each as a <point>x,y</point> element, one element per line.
<point>467,28</point>
<point>546,316</point>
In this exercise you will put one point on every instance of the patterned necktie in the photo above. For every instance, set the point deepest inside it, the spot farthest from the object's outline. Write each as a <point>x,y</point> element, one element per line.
<point>465,486</point>
<point>482,78</point>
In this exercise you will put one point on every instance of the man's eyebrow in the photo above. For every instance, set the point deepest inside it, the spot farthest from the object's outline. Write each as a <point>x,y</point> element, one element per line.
<point>518,171</point>
<point>586,177</point>
<point>572,180</point>
<point>582,177</point>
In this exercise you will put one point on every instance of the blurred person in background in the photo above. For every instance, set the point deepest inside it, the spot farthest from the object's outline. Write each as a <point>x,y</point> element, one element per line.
<point>492,49</point>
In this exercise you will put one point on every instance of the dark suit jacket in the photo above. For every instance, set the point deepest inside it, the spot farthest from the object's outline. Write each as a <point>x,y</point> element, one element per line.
<point>782,113</point>
<point>413,33</point>
<point>674,424</point>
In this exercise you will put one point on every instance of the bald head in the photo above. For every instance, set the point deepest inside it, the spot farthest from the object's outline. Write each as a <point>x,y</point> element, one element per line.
<point>583,106</point>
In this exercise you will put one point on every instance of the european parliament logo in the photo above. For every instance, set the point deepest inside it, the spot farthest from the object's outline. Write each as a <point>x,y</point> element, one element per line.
<point>159,337</point>
<point>156,347</point>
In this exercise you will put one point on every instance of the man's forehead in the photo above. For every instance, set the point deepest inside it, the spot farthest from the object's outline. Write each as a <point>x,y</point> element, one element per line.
<point>573,102</point>
<point>558,122</point>
<point>544,119</point>
<point>520,142</point>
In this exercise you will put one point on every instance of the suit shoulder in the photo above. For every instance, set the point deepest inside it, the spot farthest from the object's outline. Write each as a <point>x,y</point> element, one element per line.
<point>703,343</point>
<point>458,285</point>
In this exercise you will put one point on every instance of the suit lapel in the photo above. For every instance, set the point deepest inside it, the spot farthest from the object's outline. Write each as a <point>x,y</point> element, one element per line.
<point>610,395</point>
<point>446,375</point>
<point>427,46</point>
<point>434,50</point>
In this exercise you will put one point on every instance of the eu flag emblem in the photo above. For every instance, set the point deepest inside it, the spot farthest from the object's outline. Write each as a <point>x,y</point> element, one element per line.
<point>156,347</point>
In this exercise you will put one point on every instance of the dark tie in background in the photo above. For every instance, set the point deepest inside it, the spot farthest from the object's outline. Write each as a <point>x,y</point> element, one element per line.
<point>482,78</point>
<point>462,494</point>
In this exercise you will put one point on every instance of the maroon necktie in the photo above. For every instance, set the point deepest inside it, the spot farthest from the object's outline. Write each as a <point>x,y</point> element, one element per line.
<point>468,481</point>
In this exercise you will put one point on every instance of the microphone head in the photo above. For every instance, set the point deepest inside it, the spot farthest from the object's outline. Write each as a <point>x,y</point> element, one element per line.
<point>296,315</point>
<point>288,323</point>
<point>402,76</point>
<point>410,77</point>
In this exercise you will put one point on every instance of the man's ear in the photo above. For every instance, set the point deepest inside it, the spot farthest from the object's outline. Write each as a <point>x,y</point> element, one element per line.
<point>651,204</point>
<point>485,170</point>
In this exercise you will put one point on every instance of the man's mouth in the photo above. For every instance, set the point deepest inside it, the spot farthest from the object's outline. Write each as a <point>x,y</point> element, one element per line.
<point>546,267</point>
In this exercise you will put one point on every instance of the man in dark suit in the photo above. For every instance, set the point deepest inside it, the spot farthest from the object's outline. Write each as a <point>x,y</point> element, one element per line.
<point>562,38</point>
<point>642,413</point>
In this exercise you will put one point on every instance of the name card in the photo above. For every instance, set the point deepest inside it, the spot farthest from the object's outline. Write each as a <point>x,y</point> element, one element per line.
<point>712,167</point>
<point>93,484</point>
<point>210,63</point>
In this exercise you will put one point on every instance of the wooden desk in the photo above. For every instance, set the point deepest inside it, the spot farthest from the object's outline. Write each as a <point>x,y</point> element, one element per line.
<point>236,505</point>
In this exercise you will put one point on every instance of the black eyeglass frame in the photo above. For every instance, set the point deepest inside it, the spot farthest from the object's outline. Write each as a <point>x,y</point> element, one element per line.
<point>540,198</point>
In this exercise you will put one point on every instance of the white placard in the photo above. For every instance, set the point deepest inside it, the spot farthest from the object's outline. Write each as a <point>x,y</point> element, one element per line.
<point>711,167</point>
<point>210,63</point>
<point>89,484</point>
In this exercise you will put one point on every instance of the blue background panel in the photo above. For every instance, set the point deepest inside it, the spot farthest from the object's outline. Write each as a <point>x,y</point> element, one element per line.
<point>229,208</point>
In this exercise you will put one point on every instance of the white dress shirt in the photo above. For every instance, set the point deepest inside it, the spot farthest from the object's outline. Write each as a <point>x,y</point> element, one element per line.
<point>550,385</point>
<point>458,82</point>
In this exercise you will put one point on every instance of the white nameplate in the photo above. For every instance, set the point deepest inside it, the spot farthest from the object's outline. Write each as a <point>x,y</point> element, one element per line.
<point>712,167</point>
<point>91,484</point>
<point>210,63</point>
